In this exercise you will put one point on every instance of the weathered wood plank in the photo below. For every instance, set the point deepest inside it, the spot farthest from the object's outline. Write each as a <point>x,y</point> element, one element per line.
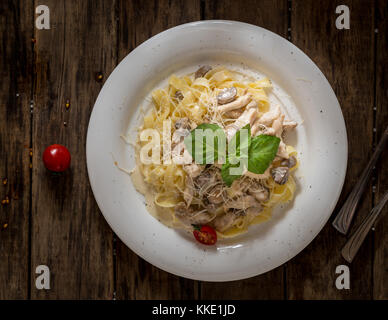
<point>137,279</point>
<point>15,94</point>
<point>138,21</point>
<point>271,15</point>
<point>346,57</point>
<point>69,234</point>
<point>380,279</point>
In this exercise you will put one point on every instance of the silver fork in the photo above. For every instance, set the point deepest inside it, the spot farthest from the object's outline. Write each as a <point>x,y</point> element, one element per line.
<point>354,243</point>
<point>344,218</point>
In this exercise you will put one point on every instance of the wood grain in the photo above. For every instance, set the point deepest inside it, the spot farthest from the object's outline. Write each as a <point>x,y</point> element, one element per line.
<point>271,15</point>
<point>15,94</point>
<point>138,21</point>
<point>346,57</point>
<point>69,234</point>
<point>54,220</point>
<point>380,266</point>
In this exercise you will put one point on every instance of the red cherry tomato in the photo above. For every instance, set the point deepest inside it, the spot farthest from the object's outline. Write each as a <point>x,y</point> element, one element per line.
<point>205,235</point>
<point>56,158</point>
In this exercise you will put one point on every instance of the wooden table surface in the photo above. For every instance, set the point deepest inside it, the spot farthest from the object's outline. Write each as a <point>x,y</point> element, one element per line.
<point>49,83</point>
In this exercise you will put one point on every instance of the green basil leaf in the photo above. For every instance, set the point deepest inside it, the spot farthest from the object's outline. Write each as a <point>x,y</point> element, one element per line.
<point>239,145</point>
<point>238,148</point>
<point>206,143</point>
<point>262,151</point>
<point>226,175</point>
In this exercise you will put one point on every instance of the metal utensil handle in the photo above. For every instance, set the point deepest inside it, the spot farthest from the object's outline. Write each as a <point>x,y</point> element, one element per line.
<point>354,243</point>
<point>344,218</point>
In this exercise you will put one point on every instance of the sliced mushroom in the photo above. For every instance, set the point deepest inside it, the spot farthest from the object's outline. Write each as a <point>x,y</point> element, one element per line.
<point>280,174</point>
<point>227,95</point>
<point>201,72</point>
<point>179,95</point>
<point>291,162</point>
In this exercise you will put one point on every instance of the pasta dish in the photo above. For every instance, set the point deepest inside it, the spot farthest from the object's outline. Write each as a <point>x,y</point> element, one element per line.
<point>211,156</point>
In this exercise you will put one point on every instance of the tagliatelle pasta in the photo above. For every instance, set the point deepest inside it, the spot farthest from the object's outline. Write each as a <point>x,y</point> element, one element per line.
<point>189,194</point>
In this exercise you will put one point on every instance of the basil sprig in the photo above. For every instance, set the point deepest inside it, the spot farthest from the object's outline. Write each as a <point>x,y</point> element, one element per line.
<point>238,155</point>
<point>256,153</point>
<point>201,149</point>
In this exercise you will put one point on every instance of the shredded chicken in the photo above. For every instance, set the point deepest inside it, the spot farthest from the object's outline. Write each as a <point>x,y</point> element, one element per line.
<point>190,216</point>
<point>258,176</point>
<point>268,117</point>
<point>193,169</point>
<point>236,104</point>
<point>225,221</point>
<point>260,192</point>
<point>216,195</point>
<point>180,155</point>
<point>248,116</point>
<point>289,125</point>
<point>252,104</point>
<point>234,114</point>
<point>277,126</point>
<point>242,203</point>
<point>188,193</point>
<point>282,151</point>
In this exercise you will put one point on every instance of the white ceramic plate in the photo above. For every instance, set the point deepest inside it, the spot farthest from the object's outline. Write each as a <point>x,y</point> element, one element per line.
<point>303,92</point>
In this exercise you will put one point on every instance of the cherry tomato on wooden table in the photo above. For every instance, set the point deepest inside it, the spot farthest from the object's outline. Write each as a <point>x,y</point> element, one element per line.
<point>205,234</point>
<point>56,158</point>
